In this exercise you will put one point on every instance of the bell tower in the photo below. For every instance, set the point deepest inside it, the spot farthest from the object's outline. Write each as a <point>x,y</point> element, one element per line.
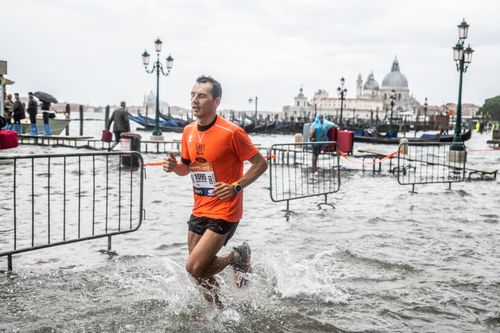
<point>359,86</point>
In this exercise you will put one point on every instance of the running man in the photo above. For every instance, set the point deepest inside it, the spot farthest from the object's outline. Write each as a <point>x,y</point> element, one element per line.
<point>213,151</point>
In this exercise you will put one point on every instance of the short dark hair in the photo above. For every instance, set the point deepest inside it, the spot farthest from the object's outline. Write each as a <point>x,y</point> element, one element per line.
<point>216,87</point>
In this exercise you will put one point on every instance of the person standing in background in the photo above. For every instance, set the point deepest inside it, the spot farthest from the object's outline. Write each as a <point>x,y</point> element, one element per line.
<point>46,116</point>
<point>8,107</point>
<point>318,133</point>
<point>32,111</point>
<point>18,110</point>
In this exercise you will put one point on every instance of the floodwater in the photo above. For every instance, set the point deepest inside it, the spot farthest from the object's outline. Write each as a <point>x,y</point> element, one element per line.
<point>383,260</point>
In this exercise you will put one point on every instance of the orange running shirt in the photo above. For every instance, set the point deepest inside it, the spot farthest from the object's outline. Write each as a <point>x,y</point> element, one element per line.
<point>216,155</point>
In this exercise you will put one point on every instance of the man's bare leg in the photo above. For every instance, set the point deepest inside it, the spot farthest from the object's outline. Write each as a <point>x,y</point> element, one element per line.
<point>212,293</point>
<point>203,263</point>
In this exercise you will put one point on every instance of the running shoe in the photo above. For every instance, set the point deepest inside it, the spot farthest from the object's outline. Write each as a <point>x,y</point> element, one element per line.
<point>241,266</point>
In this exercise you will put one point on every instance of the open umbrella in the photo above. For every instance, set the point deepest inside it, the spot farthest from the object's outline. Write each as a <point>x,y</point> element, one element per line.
<point>44,97</point>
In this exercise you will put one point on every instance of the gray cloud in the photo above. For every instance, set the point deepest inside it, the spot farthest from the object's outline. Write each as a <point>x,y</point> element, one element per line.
<point>89,51</point>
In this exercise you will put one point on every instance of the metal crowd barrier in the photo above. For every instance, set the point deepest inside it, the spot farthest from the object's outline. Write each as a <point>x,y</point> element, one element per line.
<point>430,163</point>
<point>56,199</point>
<point>291,171</point>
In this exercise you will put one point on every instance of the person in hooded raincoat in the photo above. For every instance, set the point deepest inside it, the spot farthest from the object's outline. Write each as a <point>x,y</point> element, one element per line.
<point>319,133</point>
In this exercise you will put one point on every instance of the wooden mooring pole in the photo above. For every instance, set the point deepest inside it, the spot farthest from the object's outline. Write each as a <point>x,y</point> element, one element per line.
<point>81,120</point>
<point>68,114</point>
<point>106,116</point>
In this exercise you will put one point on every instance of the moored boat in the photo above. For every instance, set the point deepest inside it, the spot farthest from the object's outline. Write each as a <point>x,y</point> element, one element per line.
<point>424,138</point>
<point>149,123</point>
<point>57,124</point>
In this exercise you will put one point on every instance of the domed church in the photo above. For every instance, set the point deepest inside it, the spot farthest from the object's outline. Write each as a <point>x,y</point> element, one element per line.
<point>395,83</point>
<point>370,98</point>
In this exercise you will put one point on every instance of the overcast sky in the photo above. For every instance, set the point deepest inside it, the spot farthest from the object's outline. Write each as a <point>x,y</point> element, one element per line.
<point>90,51</point>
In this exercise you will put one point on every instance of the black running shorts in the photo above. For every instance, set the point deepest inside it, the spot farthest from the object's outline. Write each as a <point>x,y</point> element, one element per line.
<point>199,225</point>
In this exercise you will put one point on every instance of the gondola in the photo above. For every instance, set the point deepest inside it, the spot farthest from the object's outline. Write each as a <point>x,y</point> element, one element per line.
<point>179,121</point>
<point>149,124</point>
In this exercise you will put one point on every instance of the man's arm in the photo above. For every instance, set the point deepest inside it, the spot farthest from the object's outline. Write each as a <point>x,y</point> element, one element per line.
<point>170,164</point>
<point>259,165</point>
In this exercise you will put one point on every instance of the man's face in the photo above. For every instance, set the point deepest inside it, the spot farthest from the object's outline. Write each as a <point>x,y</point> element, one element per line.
<point>321,119</point>
<point>202,102</point>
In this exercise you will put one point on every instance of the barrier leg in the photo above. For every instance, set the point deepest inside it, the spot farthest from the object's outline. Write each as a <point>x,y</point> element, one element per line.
<point>326,203</point>
<point>287,214</point>
<point>9,262</point>
<point>109,243</point>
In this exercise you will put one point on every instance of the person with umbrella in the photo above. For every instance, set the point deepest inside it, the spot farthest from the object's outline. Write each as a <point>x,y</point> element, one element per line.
<point>32,111</point>
<point>47,114</point>
<point>46,100</point>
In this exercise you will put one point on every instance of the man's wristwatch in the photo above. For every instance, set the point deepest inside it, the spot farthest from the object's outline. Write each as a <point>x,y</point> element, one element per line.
<point>237,187</point>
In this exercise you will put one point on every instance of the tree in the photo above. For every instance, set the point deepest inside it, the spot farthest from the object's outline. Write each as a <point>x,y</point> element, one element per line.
<point>491,109</point>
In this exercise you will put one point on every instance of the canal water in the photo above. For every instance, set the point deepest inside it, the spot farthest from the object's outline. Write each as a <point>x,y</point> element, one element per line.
<point>382,260</point>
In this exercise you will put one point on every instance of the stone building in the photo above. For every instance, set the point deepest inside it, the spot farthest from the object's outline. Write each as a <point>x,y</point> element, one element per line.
<point>370,100</point>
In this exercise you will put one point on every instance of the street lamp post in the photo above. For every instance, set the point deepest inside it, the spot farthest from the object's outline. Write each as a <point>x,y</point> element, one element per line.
<point>250,100</point>
<point>158,66</point>
<point>342,92</point>
<point>393,99</point>
<point>462,57</point>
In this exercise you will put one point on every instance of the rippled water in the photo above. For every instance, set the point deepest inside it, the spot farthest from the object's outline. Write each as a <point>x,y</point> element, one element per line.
<point>384,260</point>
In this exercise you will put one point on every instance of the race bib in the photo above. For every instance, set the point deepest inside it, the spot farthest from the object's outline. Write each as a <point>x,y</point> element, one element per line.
<point>203,178</point>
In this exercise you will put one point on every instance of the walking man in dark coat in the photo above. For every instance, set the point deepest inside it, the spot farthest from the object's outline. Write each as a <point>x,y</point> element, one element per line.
<point>32,111</point>
<point>122,123</point>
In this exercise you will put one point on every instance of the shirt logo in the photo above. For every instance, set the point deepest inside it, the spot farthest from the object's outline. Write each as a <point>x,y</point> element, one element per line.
<point>200,149</point>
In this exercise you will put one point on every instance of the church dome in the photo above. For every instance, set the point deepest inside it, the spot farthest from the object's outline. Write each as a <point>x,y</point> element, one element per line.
<point>151,98</point>
<point>370,83</point>
<point>395,78</point>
